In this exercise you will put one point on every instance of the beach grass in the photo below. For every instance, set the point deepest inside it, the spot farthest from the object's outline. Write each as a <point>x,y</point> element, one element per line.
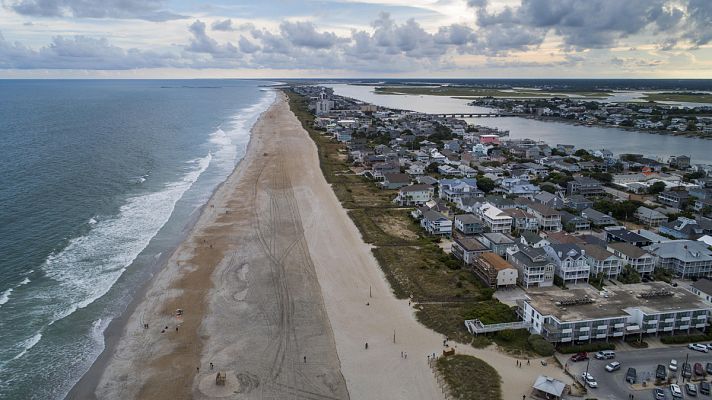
<point>469,378</point>
<point>683,97</point>
<point>414,265</point>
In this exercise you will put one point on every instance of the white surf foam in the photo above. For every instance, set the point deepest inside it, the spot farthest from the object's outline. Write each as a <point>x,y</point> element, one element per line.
<point>28,344</point>
<point>90,265</point>
<point>5,296</point>
<point>92,221</point>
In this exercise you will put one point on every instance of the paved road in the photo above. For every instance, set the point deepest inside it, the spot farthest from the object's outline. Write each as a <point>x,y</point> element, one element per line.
<point>613,386</point>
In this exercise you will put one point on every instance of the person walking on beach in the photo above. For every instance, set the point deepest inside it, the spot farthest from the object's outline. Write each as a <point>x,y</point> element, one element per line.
<point>211,366</point>
<point>366,345</point>
<point>305,359</point>
<point>405,355</point>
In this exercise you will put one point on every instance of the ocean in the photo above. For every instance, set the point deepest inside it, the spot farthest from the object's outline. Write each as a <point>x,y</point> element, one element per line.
<point>100,179</point>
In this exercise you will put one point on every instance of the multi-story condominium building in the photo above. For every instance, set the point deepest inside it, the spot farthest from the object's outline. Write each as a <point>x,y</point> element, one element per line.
<point>549,219</point>
<point>414,195</point>
<point>684,258</point>
<point>569,262</point>
<point>535,268</point>
<point>584,186</point>
<point>468,224</point>
<point>495,219</point>
<point>467,248</point>
<point>583,314</point>
<point>602,261</point>
<point>649,217</point>
<point>638,258</point>
<point>495,271</point>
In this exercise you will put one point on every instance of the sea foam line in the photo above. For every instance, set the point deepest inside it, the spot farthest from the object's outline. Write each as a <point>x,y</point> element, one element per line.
<point>5,296</point>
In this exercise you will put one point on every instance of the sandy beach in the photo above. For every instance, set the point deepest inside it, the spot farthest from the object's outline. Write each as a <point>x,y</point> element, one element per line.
<point>278,290</point>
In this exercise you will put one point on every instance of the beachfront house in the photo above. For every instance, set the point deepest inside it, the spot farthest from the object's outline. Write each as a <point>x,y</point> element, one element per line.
<point>569,262</point>
<point>468,224</point>
<point>467,248</point>
<point>548,218</point>
<point>602,261</point>
<point>414,195</point>
<point>494,218</point>
<point>535,268</point>
<point>494,271</point>
<point>436,223</point>
<point>649,217</point>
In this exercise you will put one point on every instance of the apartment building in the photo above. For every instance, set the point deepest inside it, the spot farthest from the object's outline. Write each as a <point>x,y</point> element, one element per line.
<point>583,314</point>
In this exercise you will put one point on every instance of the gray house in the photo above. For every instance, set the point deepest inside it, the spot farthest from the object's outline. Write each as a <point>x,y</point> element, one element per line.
<point>598,218</point>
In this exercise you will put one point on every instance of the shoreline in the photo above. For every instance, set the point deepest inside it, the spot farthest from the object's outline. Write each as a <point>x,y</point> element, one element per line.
<point>86,386</point>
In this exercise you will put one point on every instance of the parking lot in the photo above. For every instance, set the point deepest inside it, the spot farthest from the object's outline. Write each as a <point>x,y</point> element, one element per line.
<point>612,385</point>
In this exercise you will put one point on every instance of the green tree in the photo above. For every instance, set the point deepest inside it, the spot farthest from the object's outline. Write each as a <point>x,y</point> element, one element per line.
<point>432,168</point>
<point>629,275</point>
<point>657,187</point>
<point>486,184</point>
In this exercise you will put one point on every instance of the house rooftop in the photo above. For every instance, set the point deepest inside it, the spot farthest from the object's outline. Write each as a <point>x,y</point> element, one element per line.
<point>549,300</point>
<point>628,249</point>
<point>704,285</point>
<point>498,238</point>
<point>495,261</point>
<point>470,243</point>
<point>467,218</point>
<point>416,188</point>
<point>598,252</point>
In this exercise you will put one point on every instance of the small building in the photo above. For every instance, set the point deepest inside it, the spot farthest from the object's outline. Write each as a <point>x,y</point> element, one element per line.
<point>703,289</point>
<point>569,262</point>
<point>598,218</point>
<point>468,224</point>
<point>602,261</point>
<point>641,260</point>
<point>649,217</point>
<point>414,195</point>
<point>495,271</point>
<point>394,181</point>
<point>436,223</point>
<point>677,199</point>
<point>499,243</point>
<point>467,248</point>
<point>624,235</point>
<point>584,186</point>
<point>535,268</point>
<point>548,388</point>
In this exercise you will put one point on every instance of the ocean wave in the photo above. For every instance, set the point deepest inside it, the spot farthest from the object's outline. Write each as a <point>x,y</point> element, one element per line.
<point>229,140</point>
<point>28,344</point>
<point>90,265</point>
<point>5,296</point>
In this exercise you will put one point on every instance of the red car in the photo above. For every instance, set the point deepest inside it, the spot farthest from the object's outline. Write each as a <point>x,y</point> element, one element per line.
<point>580,356</point>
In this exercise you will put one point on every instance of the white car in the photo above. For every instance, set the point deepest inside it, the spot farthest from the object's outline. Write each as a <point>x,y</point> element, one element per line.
<point>676,392</point>
<point>697,347</point>
<point>589,380</point>
<point>673,365</point>
<point>614,366</point>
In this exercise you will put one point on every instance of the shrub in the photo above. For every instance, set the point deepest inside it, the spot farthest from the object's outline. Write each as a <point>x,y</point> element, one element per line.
<point>588,347</point>
<point>680,339</point>
<point>541,346</point>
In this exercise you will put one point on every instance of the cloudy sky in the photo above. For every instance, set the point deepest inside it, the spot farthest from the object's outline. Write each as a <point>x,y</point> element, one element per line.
<point>356,38</point>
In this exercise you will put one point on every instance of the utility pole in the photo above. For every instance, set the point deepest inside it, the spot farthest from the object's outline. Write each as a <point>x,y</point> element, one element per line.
<point>687,357</point>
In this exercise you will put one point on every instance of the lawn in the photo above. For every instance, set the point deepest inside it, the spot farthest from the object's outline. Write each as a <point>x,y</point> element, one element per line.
<point>469,378</point>
<point>469,92</point>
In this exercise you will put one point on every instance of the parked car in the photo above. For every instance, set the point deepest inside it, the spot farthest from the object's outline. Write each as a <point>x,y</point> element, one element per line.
<point>697,347</point>
<point>709,346</point>
<point>686,370</point>
<point>660,372</point>
<point>699,371</point>
<point>691,389</point>
<point>580,356</point>
<point>708,368</point>
<point>659,394</point>
<point>589,380</point>
<point>676,392</point>
<point>631,376</point>
<point>673,365</point>
<point>605,355</point>
<point>614,366</point>
<point>705,387</point>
